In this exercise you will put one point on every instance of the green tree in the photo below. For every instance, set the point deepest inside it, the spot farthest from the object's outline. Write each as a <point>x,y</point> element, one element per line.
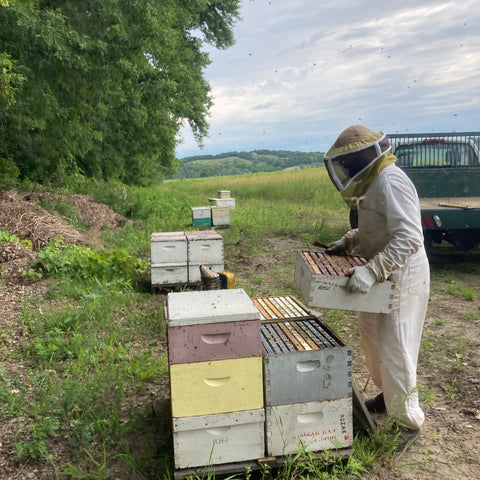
<point>104,86</point>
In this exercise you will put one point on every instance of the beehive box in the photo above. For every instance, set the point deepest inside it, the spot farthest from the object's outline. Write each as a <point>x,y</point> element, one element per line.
<point>168,258</point>
<point>223,202</point>
<point>216,386</point>
<point>223,193</point>
<point>216,439</point>
<point>304,361</point>
<point>219,386</point>
<point>220,216</point>
<point>169,274</point>
<point>322,280</point>
<point>201,216</point>
<point>168,248</point>
<point>214,341</point>
<point>211,306</point>
<point>204,247</point>
<point>320,425</point>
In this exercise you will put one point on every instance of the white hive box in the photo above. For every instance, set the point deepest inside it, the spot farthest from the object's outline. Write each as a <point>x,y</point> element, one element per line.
<point>168,248</point>
<point>322,280</point>
<point>321,425</point>
<point>223,202</point>
<point>204,248</point>
<point>166,274</point>
<point>201,212</point>
<point>168,258</point>
<point>220,438</point>
<point>209,306</point>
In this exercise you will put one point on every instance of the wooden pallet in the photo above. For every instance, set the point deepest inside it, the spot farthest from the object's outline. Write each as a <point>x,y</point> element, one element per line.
<point>258,464</point>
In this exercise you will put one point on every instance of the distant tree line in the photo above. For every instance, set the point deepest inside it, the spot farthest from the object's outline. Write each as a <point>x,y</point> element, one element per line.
<point>240,163</point>
<point>102,87</point>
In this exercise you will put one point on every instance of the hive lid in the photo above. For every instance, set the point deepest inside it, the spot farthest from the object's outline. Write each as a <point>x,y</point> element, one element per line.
<point>168,237</point>
<point>209,306</point>
<point>202,235</point>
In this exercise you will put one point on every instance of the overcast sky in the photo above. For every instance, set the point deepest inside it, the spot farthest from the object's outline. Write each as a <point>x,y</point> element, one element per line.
<point>303,70</point>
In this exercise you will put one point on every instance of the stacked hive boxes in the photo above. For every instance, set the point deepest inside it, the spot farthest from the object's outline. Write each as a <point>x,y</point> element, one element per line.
<point>176,256</point>
<point>204,248</point>
<point>168,258</point>
<point>307,376</point>
<point>220,215</point>
<point>208,216</point>
<point>223,200</point>
<point>215,359</point>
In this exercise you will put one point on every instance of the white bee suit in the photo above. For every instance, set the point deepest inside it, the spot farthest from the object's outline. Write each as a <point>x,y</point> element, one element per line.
<point>389,228</point>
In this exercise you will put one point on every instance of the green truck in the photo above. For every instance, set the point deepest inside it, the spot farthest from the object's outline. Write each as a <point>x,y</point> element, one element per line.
<point>445,168</point>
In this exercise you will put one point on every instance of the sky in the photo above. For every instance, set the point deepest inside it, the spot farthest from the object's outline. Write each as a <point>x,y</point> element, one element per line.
<point>301,71</point>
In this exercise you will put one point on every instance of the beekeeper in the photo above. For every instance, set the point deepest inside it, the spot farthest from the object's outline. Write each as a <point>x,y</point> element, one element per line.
<point>390,237</point>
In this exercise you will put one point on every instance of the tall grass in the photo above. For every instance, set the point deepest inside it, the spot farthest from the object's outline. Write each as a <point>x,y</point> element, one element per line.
<point>287,203</point>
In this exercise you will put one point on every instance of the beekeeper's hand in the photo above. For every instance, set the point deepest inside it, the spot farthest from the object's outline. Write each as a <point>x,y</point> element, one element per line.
<point>340,246</point>
<point>361,279</point>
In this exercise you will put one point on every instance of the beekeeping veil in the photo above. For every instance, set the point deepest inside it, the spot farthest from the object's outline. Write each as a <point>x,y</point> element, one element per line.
<point>355,139</point>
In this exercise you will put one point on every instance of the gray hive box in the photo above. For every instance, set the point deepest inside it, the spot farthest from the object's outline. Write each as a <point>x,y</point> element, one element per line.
<point>304,362</point>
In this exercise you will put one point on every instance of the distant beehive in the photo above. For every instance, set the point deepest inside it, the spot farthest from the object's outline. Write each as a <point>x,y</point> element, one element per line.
<point>201,216</point>
<point>176,256</point>
<point>223,202</point>
<point>223,194</point>
<point>220,215</point>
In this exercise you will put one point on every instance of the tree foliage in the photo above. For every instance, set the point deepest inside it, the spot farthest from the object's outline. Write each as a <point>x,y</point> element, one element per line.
<point>103,86</point>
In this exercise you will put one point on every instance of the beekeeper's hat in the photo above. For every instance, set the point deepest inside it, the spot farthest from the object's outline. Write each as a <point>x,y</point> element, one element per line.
<point>353,139</point>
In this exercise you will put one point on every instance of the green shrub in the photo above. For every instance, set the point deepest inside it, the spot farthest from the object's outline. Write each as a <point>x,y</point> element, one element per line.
<point>9,173</point>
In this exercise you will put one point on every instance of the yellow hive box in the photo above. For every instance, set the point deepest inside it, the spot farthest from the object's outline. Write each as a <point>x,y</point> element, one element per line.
<point>219,386</point>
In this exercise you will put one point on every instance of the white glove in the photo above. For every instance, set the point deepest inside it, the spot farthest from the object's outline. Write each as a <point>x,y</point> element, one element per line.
<point>361,280</point>
<point>340,246</point>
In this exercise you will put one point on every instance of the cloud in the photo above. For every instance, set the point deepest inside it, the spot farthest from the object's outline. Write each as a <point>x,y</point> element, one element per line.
<point>303,67</point>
